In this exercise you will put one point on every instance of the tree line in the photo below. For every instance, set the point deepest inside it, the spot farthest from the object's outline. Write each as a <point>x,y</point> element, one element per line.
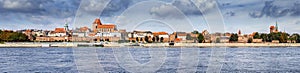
<point>280,36</point>
<point>9,36</point>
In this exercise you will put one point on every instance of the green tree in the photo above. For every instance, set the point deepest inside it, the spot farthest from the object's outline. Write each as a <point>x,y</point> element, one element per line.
<point>296,37</point>
<point>137,39</point>
<point>146,39</point>
<point>200,38</point>
<point>161,39</point>
<point>157,39</point>
<point>233,38</point>
<point>275,36</point>
<point>283,38</point>
<point>13,37</point>
<point>188,37</point>
<point>264,37</point>
<point>250,40</point>
<point>153,39</point>
<point>195,32</point>
<point>218,40</point>
<point>256,36</point>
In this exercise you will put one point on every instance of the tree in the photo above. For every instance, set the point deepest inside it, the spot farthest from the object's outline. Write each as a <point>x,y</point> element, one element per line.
<point>233,38</point>
<point>146,39</point>
<point>296,37</point>
<point>137,39</point>
<point>275,36</point>
<point>195,32</point>
<point>218,40</point>
<point>250,40</point>
<point>283,38</point>
<point>157,39</point>
<point>256,36</point>
<point>141,40</point>
<point>188,37</point>
<point>200,38</point>
<point>1,41</point>
<point>264,37</point>
<point>161,39</point>
<point>153,39</point>
<point>13,37</point>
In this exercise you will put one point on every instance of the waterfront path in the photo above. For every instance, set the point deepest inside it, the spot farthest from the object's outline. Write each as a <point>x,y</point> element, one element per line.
<point>152,45</point>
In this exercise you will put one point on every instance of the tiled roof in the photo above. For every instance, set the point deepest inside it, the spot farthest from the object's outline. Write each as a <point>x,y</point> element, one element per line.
<point>97,21</point>
<point>111,26</point>
<point>84,29</point>
<point>272,27</point>
<point>60,30</point>
<point>159,33</point>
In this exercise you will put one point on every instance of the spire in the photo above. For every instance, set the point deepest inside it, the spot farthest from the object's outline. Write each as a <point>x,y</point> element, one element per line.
<point>239,32</point>
<point>66,26</point>
<point>276,26</point>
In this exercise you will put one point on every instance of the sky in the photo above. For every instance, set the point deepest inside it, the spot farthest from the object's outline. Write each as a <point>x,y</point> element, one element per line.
<point>154,15</point>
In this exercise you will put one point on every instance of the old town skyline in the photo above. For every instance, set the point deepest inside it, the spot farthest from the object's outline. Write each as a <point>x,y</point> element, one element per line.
<point>256,15</point>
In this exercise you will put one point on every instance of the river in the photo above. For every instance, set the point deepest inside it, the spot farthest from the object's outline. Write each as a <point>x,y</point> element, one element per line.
<point>158,60</point>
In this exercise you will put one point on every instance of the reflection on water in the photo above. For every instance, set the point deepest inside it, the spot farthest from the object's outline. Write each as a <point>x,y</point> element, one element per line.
<point>236,59</point>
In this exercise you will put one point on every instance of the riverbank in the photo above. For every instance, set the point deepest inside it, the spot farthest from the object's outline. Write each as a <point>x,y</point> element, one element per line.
<point>70,44</point>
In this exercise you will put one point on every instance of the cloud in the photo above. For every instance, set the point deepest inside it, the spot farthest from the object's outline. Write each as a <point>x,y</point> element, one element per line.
<point>116,7</point>
<point>295,10</point>
<point>37,11</point>
<point>22,6</point>
<point>274,11</point>
<point>230,13</point>
<point>166,11</point>
<point>187,7</point>
<point>297,22</point>
<point>205,5</point>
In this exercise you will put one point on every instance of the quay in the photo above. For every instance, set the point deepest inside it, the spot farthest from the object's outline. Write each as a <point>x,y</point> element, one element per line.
<point>71,44</point>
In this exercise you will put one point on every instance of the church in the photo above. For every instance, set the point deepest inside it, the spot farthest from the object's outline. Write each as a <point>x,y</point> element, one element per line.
<point>99,27</point>
<point>274,29</point>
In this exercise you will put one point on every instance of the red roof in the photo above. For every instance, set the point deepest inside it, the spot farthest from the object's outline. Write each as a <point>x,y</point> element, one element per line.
<point>97,21</point>
<point>84,29</point>
<point>28,31</point>
<point>181,34</point>
<point>272,27</point>
<point>60,30</point>
<point>111,26</point>
<point>159,33</point>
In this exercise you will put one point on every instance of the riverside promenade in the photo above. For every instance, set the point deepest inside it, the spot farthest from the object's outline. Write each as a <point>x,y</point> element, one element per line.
<point>71,44</point>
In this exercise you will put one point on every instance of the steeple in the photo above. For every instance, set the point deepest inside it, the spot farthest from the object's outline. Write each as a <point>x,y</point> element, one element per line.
<point>66,26</point>
<point>276,26</point>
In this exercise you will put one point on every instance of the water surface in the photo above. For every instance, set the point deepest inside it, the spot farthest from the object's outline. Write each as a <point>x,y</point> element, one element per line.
<point>263,59</point>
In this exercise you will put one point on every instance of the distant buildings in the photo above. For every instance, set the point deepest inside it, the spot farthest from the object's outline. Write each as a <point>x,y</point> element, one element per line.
<point>105,32</point>
<point>242,38</point>
<point>99,27</point>
<point>109,33</point>
<point>140,36</point>
<point>274,29</point>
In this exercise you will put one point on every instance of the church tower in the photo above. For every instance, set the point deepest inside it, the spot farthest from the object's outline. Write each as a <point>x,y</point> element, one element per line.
<point>276,27</point>
<point>96,23</point>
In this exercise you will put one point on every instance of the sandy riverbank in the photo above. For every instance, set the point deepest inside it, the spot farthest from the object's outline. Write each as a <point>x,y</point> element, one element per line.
<point>152,45</point>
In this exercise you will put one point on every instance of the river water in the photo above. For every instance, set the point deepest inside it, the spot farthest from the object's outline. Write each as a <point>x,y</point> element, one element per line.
<point>160,60</point>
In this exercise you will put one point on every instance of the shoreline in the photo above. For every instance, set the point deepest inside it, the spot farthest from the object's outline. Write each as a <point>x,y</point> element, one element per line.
<point>70,44</point>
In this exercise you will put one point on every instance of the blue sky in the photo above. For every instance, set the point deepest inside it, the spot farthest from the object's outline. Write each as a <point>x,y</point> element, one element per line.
<point>156,15</point>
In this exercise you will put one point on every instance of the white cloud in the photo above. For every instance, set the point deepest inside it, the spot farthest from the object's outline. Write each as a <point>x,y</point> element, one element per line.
<point>166,11</point>
<point>94,5</point>
<point>11,4</point>
<point>205,5</point>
